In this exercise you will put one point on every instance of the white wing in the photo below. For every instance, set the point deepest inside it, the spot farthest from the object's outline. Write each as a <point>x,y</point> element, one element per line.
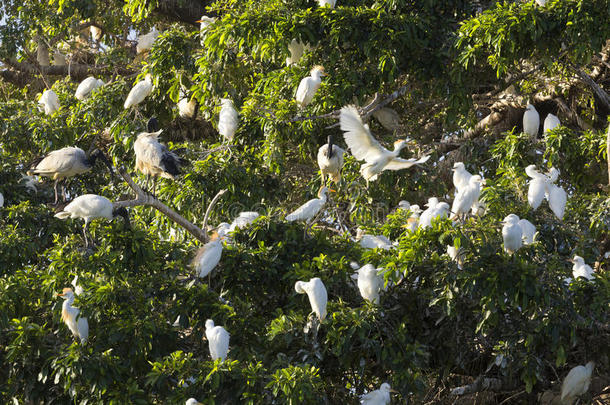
<point>138,93</point>
<point>306,211</point>
<point>318,297</point>
<point>535,193</point>
<point>219,342</point>
<point>207,258</point>
<point>148,150</point>
<point>557,200</point>
<point>83,329</point>
<point>358,136</point>
<point>400,163</point>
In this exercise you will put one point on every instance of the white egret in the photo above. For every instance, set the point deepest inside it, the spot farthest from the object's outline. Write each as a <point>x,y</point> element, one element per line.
<point>403,205</point>
<point>243,219</point>
<point>87,86</point>
<point>537,186</point>
<point>576,382</point>
<point>228,120</point>
<point>329,3</point>
<point>378,397</point>
<point>154,159</point>
<point>364,147</point>
<point>139,92</point>
<point>550,122</point>
<point>541,186</point>
<point>467,197</point>
<point>456,254</point>
<point>67,162</point>
<point>581,269</point>
<point>531,121</point>
<point>70,315</point>
<point>558,198</point>
<point>186,107</point>
<point>330,160</point>
<point>316,292</point>
<point>436,210</point>
<point>192,401</point>
<point>311,208</point>
<point>91,206</point>
<point>373,242</point>
<point>204,23</point>
<point>512,234</point>
<point>218,340</point>
<point>49,102</point>
<point>96,33</point>
<point>309,85</point>
<point>296,50</point>
<point>413,220</point>
<point>528,230</point>
<point>208,256</point>
<point>461,176</point>
<point>146,41</point>
<point>369,283</point>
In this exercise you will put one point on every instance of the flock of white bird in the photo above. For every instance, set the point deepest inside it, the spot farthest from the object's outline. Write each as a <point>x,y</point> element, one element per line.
<point>154,159</point>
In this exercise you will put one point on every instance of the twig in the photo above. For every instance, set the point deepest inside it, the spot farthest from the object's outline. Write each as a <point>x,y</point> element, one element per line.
<point>512,396</point>
<point>209,210</point>
<point>479,385</point>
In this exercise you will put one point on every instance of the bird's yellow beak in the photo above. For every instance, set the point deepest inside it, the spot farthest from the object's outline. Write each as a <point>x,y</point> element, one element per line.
<point>331,190</point>
<point>199,21</point>
<point>572,261</point>
<point>60,294</point>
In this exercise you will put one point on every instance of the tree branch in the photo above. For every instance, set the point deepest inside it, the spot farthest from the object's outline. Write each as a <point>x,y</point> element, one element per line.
<point>480,384</point>
<point>186,11</point>
<point>76,71</point>
<point>212,203</point>
<point>588,80</point>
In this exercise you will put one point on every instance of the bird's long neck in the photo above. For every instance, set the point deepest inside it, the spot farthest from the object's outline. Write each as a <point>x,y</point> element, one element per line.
<point>397,148</point>
<point>329,151</point>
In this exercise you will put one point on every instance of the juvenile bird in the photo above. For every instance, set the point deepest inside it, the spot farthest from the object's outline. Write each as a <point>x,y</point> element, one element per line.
<point>581,269</point>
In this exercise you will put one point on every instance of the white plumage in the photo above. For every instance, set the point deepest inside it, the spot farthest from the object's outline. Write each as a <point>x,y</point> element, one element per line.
<point>461,176</point>
<point>204,23</point>
<point>413,220</point>
<point>1,200</point>
<point>581,269</point>
<point>467,197</point>
<point>96,33</point>
<point>85,87</point>
<point>551,122</point>
<point>369,283</point>
<point>512,234</point>
<point>309,85</point>
<point>153,158</point>
<point>325,3</point>
<point>146,41</point>
<point>364,147</point>
<point>139,92</point>
<point>558,198</point>
<point>208,257</point>
<point>228,120</point>
<point>531,121</point>
<point>541,3</point>
<point>435,211</point>
<point>456,255</point>
<point>373,242</point>
<point>541,186</point>
<point>192,401</point>
<point>316,292</point>
<point>310,209</point>
<point>49,102</point>
<point>528,230</point>
<point>186,107</point>
<point>296,49</point>
<point>243,219</point>
<point>537,186</point>
<point>377,397</point>
<point>576,382</point>
<point>70,315</point>
<point>330,160</point>
<point>218,340</point>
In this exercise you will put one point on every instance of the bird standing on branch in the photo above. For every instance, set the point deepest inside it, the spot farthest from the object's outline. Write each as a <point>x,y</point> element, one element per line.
<point>48,102</point>
<point>218,340</point>
<point>146,41</point>
<point>228,119</point>
<point>512,234</point>
<point>70,315</point>
<point>85,87</point>
<point>208,256</point>
<point>531,121</point>
<point>139,92</point>
<point>576,382</point>
<point>309,85</point>
<point>316,292</point>
<point>311,208</point>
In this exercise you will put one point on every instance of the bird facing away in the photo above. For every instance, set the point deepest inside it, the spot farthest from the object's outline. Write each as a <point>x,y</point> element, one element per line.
<point>512,234</point>
<point>67,162</point>
<point>70,315</point>
<point>153,158</point>
<point>296,50</point>
<point>461,176</point>
<point>316,292</point>
<point>146,41</point>
<point>531,121</point>
<point>467,197</point>
<point>330,160</point>
<point>208,256</point>
<point>139,92</point>
<point>89,207</point>
<point>373,242</point>
<point>218,340</point>
<point>311,208</point>
<point>576,382</point>
<point>528,230</point>
<point>87,86</point>
<point>192,401</point>
<point>581,269</point>
<point>309,85</point>
<point>327,3</point>
<point>369,283</point>
<point>228,120</point>
<point>49,102</point>
<point>377,397</point>
<point>550,122</point>
<point>537,186</point>
<point>558,198</point>
<point>364,147</point>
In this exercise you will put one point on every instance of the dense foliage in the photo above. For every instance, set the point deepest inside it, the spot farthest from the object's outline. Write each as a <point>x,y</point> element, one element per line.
<point>438,325</point>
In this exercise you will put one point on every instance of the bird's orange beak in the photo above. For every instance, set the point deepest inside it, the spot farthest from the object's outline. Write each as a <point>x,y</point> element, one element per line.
<point>330,189</point>
<point>199,21</point>
<point>60,294</point>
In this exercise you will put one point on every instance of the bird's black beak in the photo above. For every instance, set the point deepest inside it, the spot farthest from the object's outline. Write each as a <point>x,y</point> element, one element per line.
<point>98,154</point>
<point>152,125</point>
<point>122,212</point>
<point>329,151</point>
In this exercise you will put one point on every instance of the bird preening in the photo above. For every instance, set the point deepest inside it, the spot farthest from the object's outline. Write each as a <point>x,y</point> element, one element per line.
<point>70,315</point>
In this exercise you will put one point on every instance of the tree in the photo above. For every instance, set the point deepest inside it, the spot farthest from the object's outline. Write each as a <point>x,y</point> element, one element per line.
<point>457,76</point>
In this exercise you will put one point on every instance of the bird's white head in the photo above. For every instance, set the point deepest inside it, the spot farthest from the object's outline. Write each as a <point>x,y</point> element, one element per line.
<point>148,77</point>
<point>399,144</point>
<point>511,219</point>
<point>318,71</point>
<point>577,260</point>
<point>193,401</point>
<point>205,21</point>
<point>323,190</point>
<point>298,287</point>
<point>385,387</point>
<point>209,324</point>
<point>530,107</point>
<point>404,205</point>
<point>226,102</point>
<point>432,201</point>
<point>66,294</point>
<point>476,179</point>
<point>458,166</point>
<point>415,209</point>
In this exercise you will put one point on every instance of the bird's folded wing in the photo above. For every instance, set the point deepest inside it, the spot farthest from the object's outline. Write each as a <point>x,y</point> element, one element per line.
<point>400,163</point>
<point>358,136</point>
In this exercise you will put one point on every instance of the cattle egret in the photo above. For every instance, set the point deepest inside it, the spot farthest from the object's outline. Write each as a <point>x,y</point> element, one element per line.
<point>576,382</point>
<point>67,162</point>
<point>146,41</point>
<point>85,87</point>
<point>49,102</point>
<point>154,159</point>
<point>91,206</point>
<point>1,200</point>
<point>59,59</point>
<point>70,315</point>
<point>369,283</point>
<point>186,107</point>
<point>364,147</point>
<point>317,294</point>
<point>531,121</point>
<point>581,269</point>
<point>329,3</point>
<point>541,186</point>
<point>461,176</point>
<point>218,339</point>
<point>309,85</point>
<point>456,255</point>
<point>537,186</point>
<point>413,220</point>
<point>372,241</point>
<point>403,205</point>
<point>512,234</point>
<point>330,160</point>
<point>243,219</point>
<point>550,122</point>
<point>296,49</point>
<point>192,401</point>
<point>378,397</point>
<point>208,256</point>
<point>467,197</point>
<point>228,120</point>
<point>204,23</point>
<point>96,33</point>
<point>557,197</point>
<point>435,211</point>
<point>311,208</point>
<point>139,92</point>
<point>528,230</point>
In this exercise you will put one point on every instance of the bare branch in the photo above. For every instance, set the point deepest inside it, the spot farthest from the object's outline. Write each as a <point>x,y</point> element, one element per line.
<point>76,71</point>
<point>480,384</point>
<point>588,80</point>
<point>212,203</point>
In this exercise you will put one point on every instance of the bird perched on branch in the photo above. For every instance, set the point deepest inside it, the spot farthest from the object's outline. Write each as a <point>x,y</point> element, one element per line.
<point>218,340</point>
<point>467,197</point>
<point>296,50</point>
<point>187,108</point>
<point>512,234</point>
<point>435,210</point>
<point>581,269</point>
<point>311,208</point>
<point>531,121</point>
<point>67,162</point>
<point>309,85</point>
<point>364,147</point>
<point>576,382</point>
<point>70,315</point>
<point>146,41</point>
<point>378,397</point>
<point>316,292</point>
<point>48,102</point>
<point>528,231</point>
<point>139,92</point>
<point>330,160</point>
<point>461,176</point>
<point>228,120</point>
<point>325,3</point>
<point>550,122</point>
<point>542,186</point>
<point>373,242</point>
<point>370,282</point>
<point>208,256</point>
<point>85,87</point>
